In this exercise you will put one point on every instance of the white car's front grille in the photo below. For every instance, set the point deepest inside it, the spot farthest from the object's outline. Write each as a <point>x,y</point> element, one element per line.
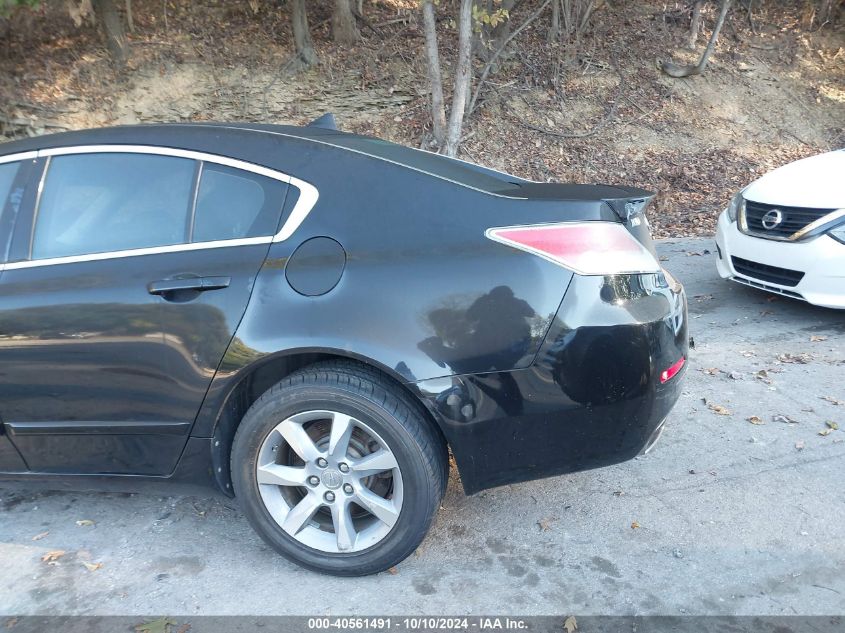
<point>777,222</point>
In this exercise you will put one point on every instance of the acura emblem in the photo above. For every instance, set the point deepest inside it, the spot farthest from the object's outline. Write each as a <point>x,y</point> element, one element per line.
<point>332,479</point>
<point>772,219</point>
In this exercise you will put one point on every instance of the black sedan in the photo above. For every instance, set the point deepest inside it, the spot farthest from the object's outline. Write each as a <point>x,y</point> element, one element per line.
<point>310,320</point>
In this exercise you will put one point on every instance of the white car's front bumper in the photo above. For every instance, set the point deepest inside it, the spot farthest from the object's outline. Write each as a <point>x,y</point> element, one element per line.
<point>822,260</point>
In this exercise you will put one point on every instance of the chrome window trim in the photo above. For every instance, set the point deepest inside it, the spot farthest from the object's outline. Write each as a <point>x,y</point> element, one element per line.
<point>136,252</point>
<point>308,196</point>
<point>11,158</point>
<point>158,150</point>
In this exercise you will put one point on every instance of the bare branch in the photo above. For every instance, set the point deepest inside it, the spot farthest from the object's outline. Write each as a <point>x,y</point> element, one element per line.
<point>676,70</point>
<point>489,65</point>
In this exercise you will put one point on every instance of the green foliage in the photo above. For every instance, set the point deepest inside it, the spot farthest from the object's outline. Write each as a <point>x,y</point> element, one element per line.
<point>7,6</point>
<point>482,17</point>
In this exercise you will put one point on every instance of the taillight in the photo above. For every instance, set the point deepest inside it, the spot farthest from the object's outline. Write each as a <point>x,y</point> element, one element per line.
<point>587,248</point>
<point>667,374</point>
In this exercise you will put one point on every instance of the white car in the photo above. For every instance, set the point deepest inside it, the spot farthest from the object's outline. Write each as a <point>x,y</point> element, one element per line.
<point>785,232</point>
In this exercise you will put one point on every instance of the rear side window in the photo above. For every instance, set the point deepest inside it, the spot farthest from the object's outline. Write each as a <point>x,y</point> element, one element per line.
<point>96,203</point>
<point>232,204</point>
<point>8,171</point>
<point>9,201</point>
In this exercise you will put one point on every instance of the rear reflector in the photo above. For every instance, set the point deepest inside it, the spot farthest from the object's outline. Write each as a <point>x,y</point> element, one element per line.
<point>670,373</point>
<point>587,248</point>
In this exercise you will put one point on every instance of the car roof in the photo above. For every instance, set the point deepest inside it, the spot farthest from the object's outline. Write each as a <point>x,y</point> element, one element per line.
<point>232,139</point>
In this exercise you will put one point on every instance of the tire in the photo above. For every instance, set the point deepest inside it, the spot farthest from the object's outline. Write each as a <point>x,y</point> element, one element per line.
<point>339,469</point>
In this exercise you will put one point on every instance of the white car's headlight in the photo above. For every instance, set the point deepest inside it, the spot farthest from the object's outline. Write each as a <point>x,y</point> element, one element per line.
<point>734,206</point>
<point>838,233</point>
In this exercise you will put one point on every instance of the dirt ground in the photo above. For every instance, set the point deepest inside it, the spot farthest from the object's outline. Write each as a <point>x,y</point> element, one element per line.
<point>738,510</point>
<point>774,90</point>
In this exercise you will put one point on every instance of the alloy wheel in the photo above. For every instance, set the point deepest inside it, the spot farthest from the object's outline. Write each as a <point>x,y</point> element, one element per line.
<point>329,481</point>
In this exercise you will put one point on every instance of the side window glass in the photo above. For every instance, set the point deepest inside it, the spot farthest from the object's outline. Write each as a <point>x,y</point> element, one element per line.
<point>9,202</point>
<point>233,203</point>
<point>8,171</point>
<point>96,203</point>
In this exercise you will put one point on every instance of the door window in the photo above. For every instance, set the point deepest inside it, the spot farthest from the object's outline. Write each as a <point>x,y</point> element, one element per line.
<point>8,207</point>
<point>97,203</point>
<point>233,203</point>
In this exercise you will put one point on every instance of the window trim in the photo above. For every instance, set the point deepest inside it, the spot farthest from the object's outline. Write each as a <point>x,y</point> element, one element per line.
<point>308,196</point>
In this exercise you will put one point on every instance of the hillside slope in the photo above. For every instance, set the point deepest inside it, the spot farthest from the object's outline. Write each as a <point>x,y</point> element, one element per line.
<point>774,90</point>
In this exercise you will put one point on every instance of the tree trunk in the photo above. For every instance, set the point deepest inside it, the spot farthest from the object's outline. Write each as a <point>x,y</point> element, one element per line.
<point>554,29</point>
<point>702,64</point>
<point>344,28</point>
<point>304,47</point>
<point>112,27</point>
<point>130,22</point>
<point>462,79</point>
<point>435,77</point>
<point>695,23</point>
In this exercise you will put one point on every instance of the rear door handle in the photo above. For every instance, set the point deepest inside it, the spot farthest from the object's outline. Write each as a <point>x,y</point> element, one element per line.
<point>199,284</point>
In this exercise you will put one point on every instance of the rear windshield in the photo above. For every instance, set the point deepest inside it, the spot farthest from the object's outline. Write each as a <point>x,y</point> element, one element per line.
<point>457,171</point>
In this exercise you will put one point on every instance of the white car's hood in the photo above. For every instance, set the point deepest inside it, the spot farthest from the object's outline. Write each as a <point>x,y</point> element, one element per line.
<point>817,182</point>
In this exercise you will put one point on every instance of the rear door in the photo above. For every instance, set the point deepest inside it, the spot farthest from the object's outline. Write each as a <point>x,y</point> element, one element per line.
<point>122,291</point>
<point>15,172</point>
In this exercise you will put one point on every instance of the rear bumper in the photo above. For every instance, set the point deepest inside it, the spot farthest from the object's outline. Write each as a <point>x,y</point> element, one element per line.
<point>821,260</point>
<point>592,397</point>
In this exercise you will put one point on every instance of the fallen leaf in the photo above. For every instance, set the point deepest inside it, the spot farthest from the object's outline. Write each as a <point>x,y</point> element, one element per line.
<point>755,419</point>
<point>11,622</point>
<point>40,536</point>
<point>53,556</point>
<point>824,432</point>
<point>766,312</point>
<point>833,400</point>
<point>92,566</point>
<point>84,522</point>
<point>817,339</point>
<point>392,571</point>
<point>798,359</point>
<point>570,624</point>
<point>780,417</point>
<point>764,376</point>
<point>162,625</point>
<point>833,426</point>
<point>735,375</point>
<point>799,445</point>
<point>719,409</point>
<point>712,371</point>
<point>184,628</point>
<point>634,525</point>
<point>545,524</point>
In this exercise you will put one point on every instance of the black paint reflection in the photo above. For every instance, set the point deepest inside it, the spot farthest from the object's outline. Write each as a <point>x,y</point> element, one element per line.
<point>493,333</point>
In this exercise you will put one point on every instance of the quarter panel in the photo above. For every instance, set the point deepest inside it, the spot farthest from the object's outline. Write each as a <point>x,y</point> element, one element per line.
<point>423,293</point>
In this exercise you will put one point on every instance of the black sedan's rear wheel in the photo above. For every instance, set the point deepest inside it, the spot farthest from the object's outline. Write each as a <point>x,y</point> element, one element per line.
<point>338,469</point>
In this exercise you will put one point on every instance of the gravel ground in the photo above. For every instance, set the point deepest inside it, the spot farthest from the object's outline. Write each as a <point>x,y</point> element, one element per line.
<point>723,517</point>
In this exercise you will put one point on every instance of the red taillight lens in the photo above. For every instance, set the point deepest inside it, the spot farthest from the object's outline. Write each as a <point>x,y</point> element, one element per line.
<point>587,248</point>
<point>672,371</point>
